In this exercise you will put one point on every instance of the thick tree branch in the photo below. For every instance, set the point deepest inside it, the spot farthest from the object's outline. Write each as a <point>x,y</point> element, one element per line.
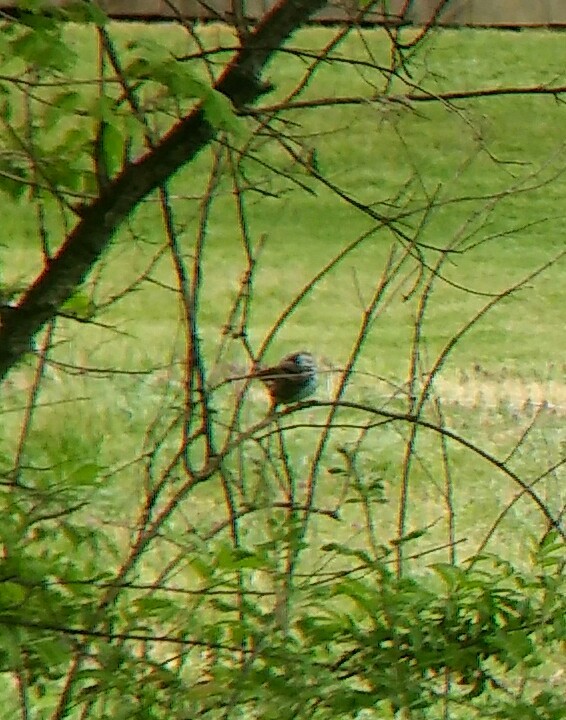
<point>100,220</point>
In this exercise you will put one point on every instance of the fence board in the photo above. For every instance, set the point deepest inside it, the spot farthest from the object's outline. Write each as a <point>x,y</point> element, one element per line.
<point>496,13</point>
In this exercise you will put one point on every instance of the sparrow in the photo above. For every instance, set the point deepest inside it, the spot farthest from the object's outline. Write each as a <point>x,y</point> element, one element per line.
<point>292,380</point>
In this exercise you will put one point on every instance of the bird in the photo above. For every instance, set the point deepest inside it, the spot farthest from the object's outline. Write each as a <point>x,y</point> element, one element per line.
<point>293,379</point>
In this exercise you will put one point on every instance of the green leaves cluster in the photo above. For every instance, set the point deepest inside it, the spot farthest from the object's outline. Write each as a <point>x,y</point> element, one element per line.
<point>157,67</point>
<point>51,118</point>
<point>475,636</point>
<point>480,628</point>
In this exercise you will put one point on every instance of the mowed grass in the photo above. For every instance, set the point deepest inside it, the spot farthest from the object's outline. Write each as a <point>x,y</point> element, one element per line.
<point>486,176</point>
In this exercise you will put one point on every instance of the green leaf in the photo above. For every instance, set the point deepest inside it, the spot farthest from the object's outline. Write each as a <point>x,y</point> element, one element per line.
<point>138,68</point>
<point>451,575</point>
<point>414,535</point>
<point>516,645</point>
<point>229,558</point>
<point>10,649</point>
<point>53,653</point>
<point>220,113</point>
<point>84,12</point>
<point>347,551</point>
<point>111,656</point>
<point>86,474</point>
<point>12,594</point>
<point>61,105</point>
<point>180,80</point>
<point>43,49</point>
<point>204,569</point>
<point>13,182</point>
<point>79,306</point>
<point>103,108</point>
<point>158,607</point>
<point>5,103</point>
<point>350,701</point>
<point>336,470</point>
<point>113,148</point>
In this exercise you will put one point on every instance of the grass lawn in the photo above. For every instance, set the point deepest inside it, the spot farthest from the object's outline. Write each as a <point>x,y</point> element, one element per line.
<point>495,168</point>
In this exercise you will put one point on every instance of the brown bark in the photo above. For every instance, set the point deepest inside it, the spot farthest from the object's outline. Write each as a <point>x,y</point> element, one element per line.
<point>99,221</point>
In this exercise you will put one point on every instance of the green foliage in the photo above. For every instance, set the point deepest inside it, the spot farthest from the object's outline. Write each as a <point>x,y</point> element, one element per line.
<point>66,115</point>
<point>79,306</point>
<point>462,635</point>
<point>403,638</point>
<point>153,62</point>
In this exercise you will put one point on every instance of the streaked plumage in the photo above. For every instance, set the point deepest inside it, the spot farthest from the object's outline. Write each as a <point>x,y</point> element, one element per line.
<point>292,380</point>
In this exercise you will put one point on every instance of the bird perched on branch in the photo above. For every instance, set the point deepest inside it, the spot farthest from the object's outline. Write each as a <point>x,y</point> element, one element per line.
<point>292,380</point>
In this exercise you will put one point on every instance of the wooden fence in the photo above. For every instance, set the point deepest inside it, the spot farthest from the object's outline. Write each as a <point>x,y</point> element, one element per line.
<point>490,13</point>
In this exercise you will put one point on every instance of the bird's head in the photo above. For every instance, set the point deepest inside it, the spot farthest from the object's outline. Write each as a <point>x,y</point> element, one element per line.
<point>303,360</point>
